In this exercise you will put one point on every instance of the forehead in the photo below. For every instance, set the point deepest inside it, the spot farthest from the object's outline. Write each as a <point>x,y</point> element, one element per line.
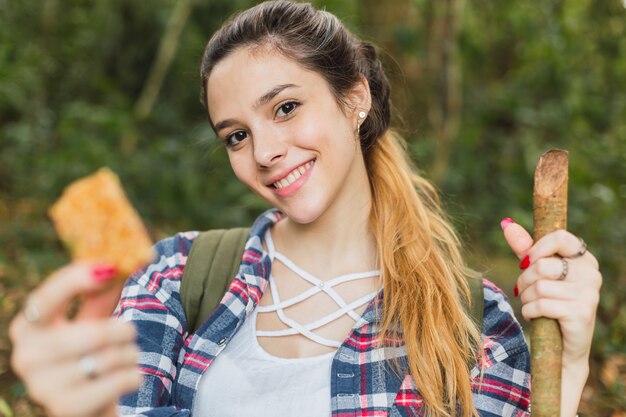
<point>248,73</point>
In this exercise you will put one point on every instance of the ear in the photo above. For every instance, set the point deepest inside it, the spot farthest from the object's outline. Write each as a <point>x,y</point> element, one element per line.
<point>359,97</point>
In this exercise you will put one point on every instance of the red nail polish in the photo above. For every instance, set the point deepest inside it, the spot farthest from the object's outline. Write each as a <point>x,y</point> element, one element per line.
<point>516,291</point>
<point>525,263</point>
<point>103,273</point>
<point>505,222</point>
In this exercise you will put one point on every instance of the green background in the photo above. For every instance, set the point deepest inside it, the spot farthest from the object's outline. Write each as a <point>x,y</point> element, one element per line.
<point>481,89</point>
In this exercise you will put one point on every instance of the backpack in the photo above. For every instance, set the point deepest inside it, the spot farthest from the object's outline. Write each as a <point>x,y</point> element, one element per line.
<point>214,261</point>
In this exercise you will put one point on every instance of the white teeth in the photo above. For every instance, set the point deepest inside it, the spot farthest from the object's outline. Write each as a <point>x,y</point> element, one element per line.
<point>293,175</point>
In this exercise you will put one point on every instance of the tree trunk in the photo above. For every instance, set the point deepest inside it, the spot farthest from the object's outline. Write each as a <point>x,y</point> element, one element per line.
<point>381,24</point>
<point>160,66</point>
<point>445,98</point>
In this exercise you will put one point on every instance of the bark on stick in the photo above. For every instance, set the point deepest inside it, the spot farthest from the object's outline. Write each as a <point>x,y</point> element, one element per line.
<point>550,213</point>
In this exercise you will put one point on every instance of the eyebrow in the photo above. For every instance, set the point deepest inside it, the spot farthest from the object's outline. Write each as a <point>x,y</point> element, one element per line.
<point>264,99</point>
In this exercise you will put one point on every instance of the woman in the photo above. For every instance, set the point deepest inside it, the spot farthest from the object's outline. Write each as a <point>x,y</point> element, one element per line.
<point>302,107</point>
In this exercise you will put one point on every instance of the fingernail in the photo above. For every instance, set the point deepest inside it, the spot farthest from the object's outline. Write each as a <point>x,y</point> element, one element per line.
<point>525,263</point>
<point>103,273</point>
<point>505,222</point>
<point>516,291</point>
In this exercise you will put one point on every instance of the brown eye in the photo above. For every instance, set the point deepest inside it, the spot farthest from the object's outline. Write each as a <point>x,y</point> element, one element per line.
<point>235,138</point>
<point>287,108</point>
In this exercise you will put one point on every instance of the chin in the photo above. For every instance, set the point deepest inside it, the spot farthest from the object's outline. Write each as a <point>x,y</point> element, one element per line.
<point>301,214</point>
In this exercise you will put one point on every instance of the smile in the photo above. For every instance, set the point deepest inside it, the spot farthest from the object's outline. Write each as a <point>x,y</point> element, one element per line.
<point>292,176</point>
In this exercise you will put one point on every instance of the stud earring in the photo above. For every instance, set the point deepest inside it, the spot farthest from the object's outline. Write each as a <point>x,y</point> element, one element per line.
<point>362,115</point>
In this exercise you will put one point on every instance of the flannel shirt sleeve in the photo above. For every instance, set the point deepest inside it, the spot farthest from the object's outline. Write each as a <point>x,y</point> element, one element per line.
<point>503,386</point>
<point>151,301</point>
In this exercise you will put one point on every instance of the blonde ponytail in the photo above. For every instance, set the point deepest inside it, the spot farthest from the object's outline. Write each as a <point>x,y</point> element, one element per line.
<point>424,280</point>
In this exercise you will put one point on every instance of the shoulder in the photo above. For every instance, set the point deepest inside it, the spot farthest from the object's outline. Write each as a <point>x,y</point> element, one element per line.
<point>502,333</point>
<point>501,382</point>
<point>177,246</point>
<point>162,276</point>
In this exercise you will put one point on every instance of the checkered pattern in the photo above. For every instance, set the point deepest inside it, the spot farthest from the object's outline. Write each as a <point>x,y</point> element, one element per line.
<point>362,381</point>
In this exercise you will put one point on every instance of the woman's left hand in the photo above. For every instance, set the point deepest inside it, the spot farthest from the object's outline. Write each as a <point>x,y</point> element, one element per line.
<point>560,280</point>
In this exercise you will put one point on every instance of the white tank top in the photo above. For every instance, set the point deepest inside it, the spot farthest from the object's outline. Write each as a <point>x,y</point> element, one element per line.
<point>245,380</point>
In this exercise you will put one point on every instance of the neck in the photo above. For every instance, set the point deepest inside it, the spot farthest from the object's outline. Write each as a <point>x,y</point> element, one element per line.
<point>338,242</point>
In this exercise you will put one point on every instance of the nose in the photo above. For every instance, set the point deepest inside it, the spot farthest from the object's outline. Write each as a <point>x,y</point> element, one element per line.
<point>269,148</point>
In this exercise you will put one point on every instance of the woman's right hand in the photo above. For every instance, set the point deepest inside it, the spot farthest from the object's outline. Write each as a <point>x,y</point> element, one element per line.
<point>79,367</point>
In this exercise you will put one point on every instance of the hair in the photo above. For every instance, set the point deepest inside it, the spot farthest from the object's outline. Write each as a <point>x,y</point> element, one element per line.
<point>423,273</point>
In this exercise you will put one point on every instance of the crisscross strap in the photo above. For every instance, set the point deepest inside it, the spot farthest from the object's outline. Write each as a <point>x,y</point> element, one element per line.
<point>318,286</point>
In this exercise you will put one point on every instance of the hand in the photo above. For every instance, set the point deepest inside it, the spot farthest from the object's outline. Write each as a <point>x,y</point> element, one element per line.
<point>559,283</point>
<point>80,367</point>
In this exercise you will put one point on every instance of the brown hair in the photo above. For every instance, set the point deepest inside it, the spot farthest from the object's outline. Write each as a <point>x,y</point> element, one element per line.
<point>423,273</point>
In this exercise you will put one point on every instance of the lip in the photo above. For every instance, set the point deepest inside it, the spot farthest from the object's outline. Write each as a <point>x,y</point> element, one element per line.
<point>285,173</point>
<point>292,188</point>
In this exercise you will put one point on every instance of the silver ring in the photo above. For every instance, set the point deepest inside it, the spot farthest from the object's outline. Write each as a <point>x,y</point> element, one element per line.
<point>31,311</point>
<point>88,366</point>
<point>581,251</point>
<point>565,269</point>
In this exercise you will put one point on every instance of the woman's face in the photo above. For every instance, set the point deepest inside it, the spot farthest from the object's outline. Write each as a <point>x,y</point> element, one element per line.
<point>286,136</point>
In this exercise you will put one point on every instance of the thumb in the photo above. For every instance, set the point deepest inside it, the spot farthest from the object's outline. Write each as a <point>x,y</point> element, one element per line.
<point>517,237</point>
<point>100,303</point>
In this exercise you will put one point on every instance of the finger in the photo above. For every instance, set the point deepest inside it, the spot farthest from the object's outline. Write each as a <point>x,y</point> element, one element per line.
<point>101,393</point>
<point>549,289</point>
<point>553,269</point>
<point>70,373</point>
<point>568,310</point>
<point>545,307</point>
<point>100,303</point>
<point>517,237</point>
<point>107,390</point>
<point>69,341</point>
<point>72,370</point>
<point>562,243</point>
<point>108,411</point>
<point>585,292</point>
<point>53,295</point>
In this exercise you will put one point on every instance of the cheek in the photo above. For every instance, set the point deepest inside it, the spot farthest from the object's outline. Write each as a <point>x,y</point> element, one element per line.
<point>308,132</point>
<point>241,168</point>
<point>324,129</point>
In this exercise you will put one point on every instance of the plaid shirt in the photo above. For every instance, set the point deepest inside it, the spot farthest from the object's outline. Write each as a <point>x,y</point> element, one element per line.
<point>362,382</point>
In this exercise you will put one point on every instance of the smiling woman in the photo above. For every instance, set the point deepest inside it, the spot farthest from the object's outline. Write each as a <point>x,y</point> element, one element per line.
<point>287,136</point>
<point>352,295</point>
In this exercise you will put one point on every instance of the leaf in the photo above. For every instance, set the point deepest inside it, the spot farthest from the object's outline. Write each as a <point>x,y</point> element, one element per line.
<point>5,410</point>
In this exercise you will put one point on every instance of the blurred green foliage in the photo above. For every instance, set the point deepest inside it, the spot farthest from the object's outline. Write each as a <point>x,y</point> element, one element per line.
<point>535,75</point>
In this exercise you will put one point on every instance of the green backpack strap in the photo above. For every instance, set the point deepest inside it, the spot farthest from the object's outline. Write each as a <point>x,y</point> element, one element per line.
<point>478,301</point>
<point>212,264</point>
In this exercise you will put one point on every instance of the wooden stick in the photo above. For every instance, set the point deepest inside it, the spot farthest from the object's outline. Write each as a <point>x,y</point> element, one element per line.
<point>550,213</point>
